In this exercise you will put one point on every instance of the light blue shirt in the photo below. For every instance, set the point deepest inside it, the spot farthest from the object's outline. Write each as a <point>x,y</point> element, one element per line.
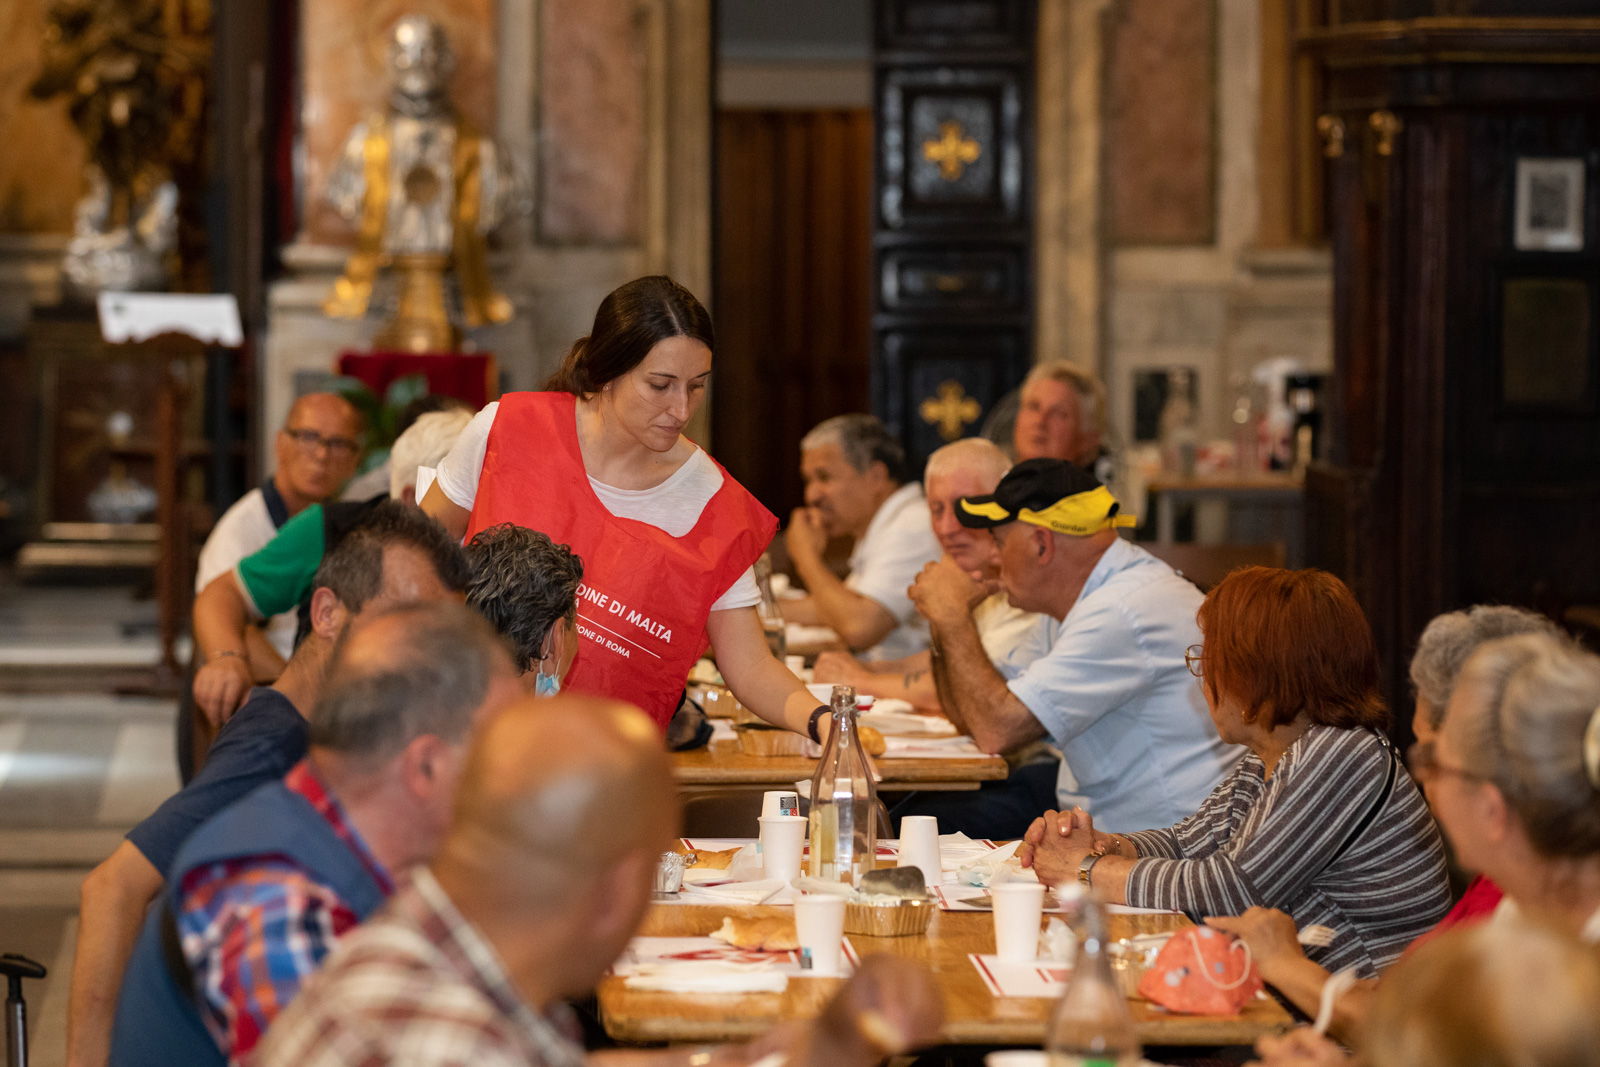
<point>1138,745</point>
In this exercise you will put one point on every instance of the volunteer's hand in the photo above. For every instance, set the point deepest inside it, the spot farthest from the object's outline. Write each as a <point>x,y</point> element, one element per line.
<point>1269,933</point>
<point>805,537</point>
<point>220,687</point>
<point>945,593</point>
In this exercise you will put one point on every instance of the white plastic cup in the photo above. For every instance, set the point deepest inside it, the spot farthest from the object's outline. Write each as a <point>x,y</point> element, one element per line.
<point>782,838</point>
<point>780,802</point>
<point>819,924</point>
<point>919,847</point>
<point>1018,907</point>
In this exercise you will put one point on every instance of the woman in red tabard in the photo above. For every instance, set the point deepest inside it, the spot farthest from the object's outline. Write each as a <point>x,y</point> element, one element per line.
<point>599,462</point>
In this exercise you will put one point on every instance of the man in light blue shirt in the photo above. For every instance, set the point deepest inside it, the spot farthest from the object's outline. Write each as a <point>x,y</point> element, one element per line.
<point>1140,750</point>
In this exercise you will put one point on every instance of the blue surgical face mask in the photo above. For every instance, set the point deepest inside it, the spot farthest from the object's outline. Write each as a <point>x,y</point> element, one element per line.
<point>545,685</point>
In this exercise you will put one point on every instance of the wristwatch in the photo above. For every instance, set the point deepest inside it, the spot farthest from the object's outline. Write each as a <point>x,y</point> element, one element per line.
<point>1088,865</point>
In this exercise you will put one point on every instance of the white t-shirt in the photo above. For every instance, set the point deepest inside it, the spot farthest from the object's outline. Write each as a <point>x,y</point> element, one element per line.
<point>1012,638</point>
<point>898,543</point>
<point>673,507</point>
<point>243,530</point>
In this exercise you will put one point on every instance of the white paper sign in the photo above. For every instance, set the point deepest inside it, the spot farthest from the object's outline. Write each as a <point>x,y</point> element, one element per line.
<point>211,318</point>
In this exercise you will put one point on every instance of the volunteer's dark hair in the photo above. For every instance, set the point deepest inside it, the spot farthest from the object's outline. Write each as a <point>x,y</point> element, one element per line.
<point>354,569</point>
<point>633,319</point>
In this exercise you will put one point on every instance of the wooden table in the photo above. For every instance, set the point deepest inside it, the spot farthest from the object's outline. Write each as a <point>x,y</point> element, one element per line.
<point>724,763</point>
<point>972,1015</point>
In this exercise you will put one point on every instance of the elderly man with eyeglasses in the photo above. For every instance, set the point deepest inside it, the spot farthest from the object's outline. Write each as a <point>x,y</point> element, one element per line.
<point>316,450</point>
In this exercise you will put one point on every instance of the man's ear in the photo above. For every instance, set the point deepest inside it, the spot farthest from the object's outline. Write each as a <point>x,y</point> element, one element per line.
<point>1494,813</point>
<point>422,764</point>
<point>878,470</point>
<point>1044,544</point>
<point>328,613</point>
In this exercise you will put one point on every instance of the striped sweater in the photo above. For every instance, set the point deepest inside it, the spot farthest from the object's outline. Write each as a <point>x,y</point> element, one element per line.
<point>1274,843</point>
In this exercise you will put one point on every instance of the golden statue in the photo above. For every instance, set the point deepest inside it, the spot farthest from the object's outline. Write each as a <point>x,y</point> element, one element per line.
<point>425,189</point>
<point>134,73</point>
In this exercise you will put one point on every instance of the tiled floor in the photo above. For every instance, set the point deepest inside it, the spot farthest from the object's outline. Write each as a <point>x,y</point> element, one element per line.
<point>78,767</point>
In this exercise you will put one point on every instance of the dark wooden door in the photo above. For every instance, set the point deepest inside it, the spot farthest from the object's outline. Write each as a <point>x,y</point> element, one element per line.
<point>793,287</point>
<point>953,299</point>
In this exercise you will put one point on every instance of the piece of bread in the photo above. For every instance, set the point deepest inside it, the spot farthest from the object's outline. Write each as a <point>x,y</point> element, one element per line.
<point>766,935</point>
<point>706,859</point>
<point>872,741</point>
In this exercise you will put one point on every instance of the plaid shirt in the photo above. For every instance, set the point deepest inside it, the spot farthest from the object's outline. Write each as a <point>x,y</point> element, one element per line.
<point>254,929</point>
<point>418,985</point>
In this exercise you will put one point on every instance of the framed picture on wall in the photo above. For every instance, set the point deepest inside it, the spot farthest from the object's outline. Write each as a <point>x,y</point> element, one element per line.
<point>1549,216</point>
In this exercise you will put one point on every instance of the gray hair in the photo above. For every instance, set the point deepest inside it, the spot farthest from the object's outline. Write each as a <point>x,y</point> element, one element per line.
<point>1091,391</point>
<point>1538,701</point>
<point>1453,637</point>
<point>430,680</point>
<point>523,583</point>
<point>353,569</point>
<point>863,439</point>
<point>424,444</point>
<point>976,454</point>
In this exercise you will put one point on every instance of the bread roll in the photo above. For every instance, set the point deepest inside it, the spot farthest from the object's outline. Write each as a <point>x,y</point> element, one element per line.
<point>767,935</point>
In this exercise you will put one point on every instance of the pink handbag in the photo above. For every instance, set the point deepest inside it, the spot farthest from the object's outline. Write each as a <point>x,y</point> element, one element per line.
<point>1201,971</point>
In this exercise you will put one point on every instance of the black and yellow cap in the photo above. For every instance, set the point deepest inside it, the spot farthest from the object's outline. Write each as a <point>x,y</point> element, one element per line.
<point>1051,493</point>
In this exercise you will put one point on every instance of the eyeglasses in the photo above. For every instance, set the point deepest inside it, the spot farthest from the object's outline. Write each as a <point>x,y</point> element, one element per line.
<point>1423,759</point>
<point>1191,659</point>
<point>338,447</point>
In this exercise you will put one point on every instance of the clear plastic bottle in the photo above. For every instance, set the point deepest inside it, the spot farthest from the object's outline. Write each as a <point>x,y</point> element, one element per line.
<point>844,800</point>
<point>1091,1026</point>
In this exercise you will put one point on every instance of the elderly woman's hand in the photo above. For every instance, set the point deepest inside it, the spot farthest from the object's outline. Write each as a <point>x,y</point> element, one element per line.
<point>1268,933</point>
<point>1301,1047</point>
<point>1054,846</point>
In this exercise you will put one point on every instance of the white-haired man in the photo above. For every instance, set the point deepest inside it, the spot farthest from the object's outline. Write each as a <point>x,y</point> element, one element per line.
<point>276,578</point>
<point>1012,638</point>
<point>1061,414</point>
<point>854,472</point>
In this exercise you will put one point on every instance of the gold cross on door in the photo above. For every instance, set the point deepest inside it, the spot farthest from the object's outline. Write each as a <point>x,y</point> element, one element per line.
<point>953,151</point>
<point>952,411</point>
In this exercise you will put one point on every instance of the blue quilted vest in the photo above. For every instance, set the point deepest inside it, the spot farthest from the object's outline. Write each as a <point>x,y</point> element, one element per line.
<point>158,1023</point>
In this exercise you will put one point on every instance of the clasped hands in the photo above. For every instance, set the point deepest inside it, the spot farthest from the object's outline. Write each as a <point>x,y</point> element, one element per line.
<point>1059,840</point>
<point>945,592</point>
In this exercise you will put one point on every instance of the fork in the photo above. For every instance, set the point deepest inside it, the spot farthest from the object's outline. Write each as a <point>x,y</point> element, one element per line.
<point>1317,936</point>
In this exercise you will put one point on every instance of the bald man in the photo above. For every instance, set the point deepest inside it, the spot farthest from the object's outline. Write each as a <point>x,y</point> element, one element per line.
<point>259,894</point>
<point>564,810</point>
<point>316,453</point>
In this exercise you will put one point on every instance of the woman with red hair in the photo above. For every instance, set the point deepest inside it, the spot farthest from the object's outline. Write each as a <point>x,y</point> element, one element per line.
<point>1319,821</point>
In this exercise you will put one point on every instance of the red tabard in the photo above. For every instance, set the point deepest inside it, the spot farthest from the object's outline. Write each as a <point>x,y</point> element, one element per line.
<point>646,595</point>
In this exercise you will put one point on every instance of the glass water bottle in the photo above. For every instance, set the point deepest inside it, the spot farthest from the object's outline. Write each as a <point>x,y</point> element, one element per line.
<point>1091,1026</point>
<point>844,800</point>
<point>771,615</point>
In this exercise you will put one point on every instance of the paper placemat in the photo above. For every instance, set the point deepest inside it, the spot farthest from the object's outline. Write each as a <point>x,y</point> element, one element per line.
<point>931,748</point>
<point>643,951</point>
<point>1035,978</point>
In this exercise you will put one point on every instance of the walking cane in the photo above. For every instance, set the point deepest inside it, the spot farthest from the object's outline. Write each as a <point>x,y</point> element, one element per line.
<point>16,968</point>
